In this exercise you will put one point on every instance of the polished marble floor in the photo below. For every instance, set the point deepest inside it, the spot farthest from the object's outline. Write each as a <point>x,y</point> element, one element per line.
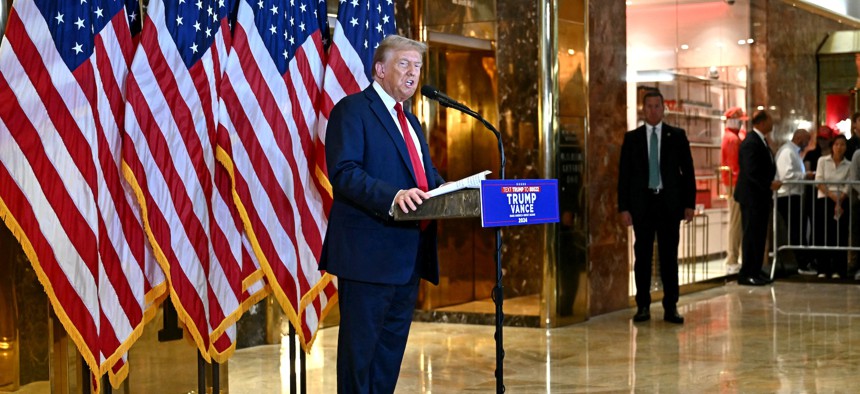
<point>790,337</point>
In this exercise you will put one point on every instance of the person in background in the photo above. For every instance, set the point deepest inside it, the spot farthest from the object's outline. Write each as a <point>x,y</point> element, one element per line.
<point>790,167</point>
<point>754,193</point>
<point>378,161</point>
<point>854,140</point>
<point>830,213</point>
<point>813,152</point>
<point>819,146</point>
<point>656,190</point>
<point>729,158</point>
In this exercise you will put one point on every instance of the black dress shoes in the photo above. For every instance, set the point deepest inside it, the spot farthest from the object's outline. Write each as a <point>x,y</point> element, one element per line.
<point>673,317</point>
<point>642,314</point>
<point>751,281</point>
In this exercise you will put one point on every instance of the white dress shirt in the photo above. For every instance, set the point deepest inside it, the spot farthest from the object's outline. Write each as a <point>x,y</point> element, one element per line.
<point>389,104</point>
<point>827,170</point>
<point>789,167</point>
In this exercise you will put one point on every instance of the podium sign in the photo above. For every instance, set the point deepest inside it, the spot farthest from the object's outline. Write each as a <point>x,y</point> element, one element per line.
<point>519,202</point>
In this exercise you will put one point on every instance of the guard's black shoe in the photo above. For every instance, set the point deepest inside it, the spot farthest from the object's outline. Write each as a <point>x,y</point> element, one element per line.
<point>673,317</point>
<point>642,314</point>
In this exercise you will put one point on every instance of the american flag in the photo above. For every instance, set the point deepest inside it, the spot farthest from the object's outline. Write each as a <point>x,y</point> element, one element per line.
<point>271,92</point>
<point>62,72</point>
<point>361,25</point>
<point>172,106</point>
<point>236,281</point>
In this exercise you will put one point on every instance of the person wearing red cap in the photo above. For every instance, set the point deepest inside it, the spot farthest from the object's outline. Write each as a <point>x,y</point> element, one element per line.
<point>729,158</point>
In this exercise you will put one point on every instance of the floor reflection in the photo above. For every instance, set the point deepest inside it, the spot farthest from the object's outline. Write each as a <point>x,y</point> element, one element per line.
<point>785,338</point>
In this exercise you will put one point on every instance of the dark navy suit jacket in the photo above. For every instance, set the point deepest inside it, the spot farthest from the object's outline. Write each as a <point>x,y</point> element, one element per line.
<point>757,172</point>
<point>367,165</point>
<point>676,172</point>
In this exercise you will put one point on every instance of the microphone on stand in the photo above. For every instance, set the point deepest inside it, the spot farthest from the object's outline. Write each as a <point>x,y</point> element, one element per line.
<point>434,94</point>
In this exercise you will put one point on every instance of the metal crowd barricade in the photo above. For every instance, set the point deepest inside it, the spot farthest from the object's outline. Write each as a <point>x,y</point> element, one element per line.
<point>809,212</point>
<point>694,255</point>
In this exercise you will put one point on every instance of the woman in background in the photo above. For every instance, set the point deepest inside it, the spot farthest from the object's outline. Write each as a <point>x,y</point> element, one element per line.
<point>830,213</point>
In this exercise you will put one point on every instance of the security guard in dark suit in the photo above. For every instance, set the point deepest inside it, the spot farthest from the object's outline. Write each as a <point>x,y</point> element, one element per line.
<point>656,190</point>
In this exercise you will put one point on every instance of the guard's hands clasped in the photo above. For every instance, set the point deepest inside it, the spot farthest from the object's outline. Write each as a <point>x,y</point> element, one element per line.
<point>409,200</point>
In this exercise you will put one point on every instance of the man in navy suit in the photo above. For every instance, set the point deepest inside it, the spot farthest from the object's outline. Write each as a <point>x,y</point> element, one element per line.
<point>656,189</point>
<point>754,193</point>
<point>374,170</point>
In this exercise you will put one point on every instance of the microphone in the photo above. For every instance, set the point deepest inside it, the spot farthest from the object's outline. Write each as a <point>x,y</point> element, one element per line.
<point>434,94</point>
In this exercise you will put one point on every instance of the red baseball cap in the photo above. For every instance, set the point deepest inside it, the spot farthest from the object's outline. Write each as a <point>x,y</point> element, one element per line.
<point>735,113</point>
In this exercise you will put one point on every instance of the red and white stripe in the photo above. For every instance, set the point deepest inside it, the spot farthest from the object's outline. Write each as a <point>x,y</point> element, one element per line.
<point>271,120</point>
<point>234,263</point>
<point>60,187</point>
<point>171,119</point>
<point>125,292</point>
<point>344,75</point>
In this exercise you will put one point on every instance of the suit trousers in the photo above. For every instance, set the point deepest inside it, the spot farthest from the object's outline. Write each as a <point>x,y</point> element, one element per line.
<point>830,231</point>
<point>656,223</point>
<point>790,209</point>
<point>374,326</point>
<point>755,217</point>
<point>735,231</point>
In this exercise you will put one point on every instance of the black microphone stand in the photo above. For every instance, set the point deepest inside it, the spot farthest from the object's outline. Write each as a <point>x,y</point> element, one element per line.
<point>498,290</point>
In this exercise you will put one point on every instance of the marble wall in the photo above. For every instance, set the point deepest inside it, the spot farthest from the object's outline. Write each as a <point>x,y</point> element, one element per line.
<point>784,68</point>
<point>517,57</point>
<point>516,61</point>
<point>517,83</point>
<point>518,75</point>
<point>607,103</point>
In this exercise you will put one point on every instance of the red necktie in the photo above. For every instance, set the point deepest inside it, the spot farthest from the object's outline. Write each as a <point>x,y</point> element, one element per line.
<point>420,176</point>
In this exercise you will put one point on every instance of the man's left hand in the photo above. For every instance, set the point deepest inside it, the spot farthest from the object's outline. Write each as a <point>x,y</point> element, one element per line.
<point>688,214</point>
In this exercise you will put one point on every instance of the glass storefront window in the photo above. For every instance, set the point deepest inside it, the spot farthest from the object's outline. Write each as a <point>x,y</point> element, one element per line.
<point>697,53</point>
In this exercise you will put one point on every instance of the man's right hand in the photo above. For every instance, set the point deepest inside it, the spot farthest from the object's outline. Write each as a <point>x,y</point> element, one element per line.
<point>775,185</point>
<point>409,200</point>
<point>626,219</point>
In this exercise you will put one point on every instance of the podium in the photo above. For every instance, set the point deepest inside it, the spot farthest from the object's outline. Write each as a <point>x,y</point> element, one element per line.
<point>464,203</point>
<point>520,197</point>
<point>499,203</point>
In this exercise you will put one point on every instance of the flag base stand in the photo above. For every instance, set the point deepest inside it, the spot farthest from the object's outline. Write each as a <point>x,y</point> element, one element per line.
<point>170,330</point>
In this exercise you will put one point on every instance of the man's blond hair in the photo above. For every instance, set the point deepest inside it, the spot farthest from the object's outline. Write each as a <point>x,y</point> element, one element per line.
<point>393,43</point>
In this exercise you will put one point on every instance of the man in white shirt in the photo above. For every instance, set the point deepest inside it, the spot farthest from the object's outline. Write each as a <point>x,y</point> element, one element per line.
<point>790,167</point>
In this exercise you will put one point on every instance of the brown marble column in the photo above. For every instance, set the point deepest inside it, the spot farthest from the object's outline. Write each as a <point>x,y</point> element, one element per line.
<point>517,57</point>
<point>607,94</point>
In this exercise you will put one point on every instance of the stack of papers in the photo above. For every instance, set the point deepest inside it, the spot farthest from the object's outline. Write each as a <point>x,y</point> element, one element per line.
<point>472,182</point>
